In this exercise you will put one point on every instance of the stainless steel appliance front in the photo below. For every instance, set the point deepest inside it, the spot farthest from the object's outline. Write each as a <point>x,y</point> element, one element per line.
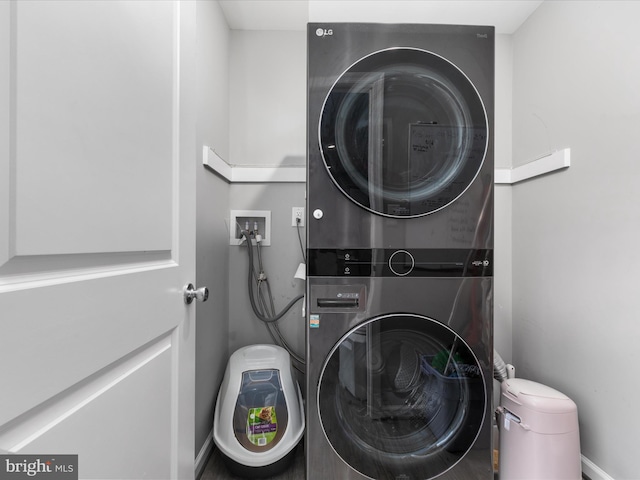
<point>399,378</point>
<point>400,136</point>
<point>400,251</point>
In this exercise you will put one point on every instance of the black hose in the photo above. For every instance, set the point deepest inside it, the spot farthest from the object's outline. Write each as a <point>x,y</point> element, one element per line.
<point>304,256</point>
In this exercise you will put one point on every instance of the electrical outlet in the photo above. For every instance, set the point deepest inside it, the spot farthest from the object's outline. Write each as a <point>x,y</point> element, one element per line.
<point>297,213</point>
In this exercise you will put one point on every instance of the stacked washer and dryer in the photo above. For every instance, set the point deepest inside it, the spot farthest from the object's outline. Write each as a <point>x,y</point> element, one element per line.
<point>400,251</point>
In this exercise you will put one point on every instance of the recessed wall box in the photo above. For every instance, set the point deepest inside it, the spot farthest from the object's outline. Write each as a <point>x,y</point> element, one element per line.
<point>249,220</point>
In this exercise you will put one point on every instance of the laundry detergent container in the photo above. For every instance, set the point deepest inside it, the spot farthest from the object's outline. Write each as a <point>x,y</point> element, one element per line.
<point>539,435</point>
<point>259,416</point>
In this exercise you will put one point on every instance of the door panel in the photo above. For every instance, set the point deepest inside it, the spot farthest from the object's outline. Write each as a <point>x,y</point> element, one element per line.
<point>100,411</point>
<point>95,97</point>
<point>97,234</point>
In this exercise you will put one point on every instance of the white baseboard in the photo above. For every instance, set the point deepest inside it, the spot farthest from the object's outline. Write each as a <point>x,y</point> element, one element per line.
<point>203,455</point>
<point>592,471</point>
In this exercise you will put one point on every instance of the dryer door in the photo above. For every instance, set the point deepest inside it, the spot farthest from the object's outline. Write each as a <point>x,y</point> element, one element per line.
<point>403,132</point>
<point>401,396</point>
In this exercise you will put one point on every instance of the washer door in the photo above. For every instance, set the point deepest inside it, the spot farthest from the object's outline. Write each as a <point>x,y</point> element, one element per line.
<point>401,396</point>
<point>403,132</point>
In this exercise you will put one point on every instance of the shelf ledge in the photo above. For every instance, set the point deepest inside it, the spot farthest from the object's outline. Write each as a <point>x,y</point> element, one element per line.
<point>558,160</point>
<point>252,174</point>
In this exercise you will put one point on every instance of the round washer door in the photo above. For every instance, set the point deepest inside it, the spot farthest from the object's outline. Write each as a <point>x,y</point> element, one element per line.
<point>401,396</point>
<point>403,132</point>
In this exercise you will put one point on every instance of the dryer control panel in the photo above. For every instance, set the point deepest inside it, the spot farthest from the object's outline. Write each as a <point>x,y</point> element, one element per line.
<point>400,263</point>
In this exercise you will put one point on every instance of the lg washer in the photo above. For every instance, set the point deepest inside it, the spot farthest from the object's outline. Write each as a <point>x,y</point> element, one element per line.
<point>400,251</point>
<point>399,376</point>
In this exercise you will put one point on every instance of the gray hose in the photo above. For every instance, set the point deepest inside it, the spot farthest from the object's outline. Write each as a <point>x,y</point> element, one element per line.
<point>267,313</point>
<point>499,367</point>
<point>256,310</point>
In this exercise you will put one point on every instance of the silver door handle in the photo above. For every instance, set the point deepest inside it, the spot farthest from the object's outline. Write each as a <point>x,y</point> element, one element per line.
<point>191,293</point>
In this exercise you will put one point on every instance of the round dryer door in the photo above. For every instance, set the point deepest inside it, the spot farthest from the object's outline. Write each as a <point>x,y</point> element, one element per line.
<point>403,132</point>
<point>401,396</point>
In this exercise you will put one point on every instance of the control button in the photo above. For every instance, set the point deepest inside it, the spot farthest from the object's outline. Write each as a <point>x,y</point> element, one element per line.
<point>318,214</point>
<point>401,263</point>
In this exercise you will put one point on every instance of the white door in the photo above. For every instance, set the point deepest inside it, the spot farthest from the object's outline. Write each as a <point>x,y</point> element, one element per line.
<point>97,234</point>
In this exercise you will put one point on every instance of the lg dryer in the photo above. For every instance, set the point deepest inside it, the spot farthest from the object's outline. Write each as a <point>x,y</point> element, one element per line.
<point>400,127</point>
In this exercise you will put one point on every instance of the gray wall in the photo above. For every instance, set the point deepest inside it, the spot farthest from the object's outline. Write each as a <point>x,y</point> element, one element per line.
<point>280,262</point>
<point>576,233</point>
<point>267,127</point>
<point>212,205</point>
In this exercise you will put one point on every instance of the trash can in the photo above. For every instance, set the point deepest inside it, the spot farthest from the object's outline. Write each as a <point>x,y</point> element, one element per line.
<point>539,435</point>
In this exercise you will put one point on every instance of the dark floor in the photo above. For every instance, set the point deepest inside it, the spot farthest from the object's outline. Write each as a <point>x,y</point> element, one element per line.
<point>216,469</point>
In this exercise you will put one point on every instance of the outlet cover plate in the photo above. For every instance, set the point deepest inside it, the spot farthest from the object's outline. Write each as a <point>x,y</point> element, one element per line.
<point>297,212</point>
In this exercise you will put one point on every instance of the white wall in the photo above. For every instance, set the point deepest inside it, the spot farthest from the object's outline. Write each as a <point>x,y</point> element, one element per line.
<point>267,127</point>
<point>576,233</point>
<point>212,38</point>
<point>502,317</point>
<point>268,95</point>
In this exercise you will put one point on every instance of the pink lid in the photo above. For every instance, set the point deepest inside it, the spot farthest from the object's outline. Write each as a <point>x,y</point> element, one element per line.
<point>537,396</point>
<point>541,408</point>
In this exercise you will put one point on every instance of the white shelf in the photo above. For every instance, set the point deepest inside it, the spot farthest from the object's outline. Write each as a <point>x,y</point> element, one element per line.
<point>252,174</point>
<point>558,160</point>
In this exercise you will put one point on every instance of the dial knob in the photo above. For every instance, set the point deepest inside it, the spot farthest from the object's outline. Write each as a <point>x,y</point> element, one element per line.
<point>401,263</point>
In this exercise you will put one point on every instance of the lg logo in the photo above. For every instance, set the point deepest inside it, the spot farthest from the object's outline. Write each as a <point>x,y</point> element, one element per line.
<point>323,32</point>
<point>480,263</point>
